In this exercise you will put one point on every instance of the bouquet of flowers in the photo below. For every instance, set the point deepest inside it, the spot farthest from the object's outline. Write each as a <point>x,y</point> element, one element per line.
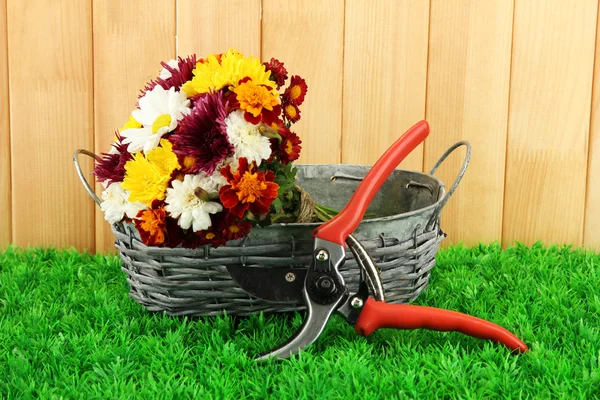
<point>207,153</point>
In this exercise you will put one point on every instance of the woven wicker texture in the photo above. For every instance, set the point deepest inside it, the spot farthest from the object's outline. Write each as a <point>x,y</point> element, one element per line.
<point>198,282</point>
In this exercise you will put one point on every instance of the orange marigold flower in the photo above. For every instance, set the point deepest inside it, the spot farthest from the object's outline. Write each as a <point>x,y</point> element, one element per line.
<point>248,189</point>
<point>297,90</point>
<point>152,224</point>
<point>254,98</point>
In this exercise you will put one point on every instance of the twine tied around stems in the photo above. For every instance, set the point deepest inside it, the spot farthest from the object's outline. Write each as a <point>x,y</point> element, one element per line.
<point>307,207</point>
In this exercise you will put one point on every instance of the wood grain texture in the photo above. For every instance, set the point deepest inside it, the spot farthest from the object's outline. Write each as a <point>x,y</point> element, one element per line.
<point>5,186</point>
<point>51,95</point>
<point>467,99</point>
<point>308,37</point>
<point>130,40</point>
<point>385,70</point>
<point>214,26</point>
<point>591,234</point>
<point>549,118</point>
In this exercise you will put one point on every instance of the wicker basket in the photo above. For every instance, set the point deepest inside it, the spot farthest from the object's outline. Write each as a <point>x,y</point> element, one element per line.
<point>403,242</point>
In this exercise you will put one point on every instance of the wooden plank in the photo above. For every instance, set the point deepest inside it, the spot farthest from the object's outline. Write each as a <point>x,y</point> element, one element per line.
<point>549,118</point>
<point>308,37</point>
<point>213,26</point>
<point>467,99</point>
<point>591,234</point>
<point>385,70</point>
<point>5,187</point>
<point>51,93</point>
<point>127,54</point>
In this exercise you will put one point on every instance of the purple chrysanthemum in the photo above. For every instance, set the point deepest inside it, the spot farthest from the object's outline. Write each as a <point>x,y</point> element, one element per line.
<point>179,75</point>
<point>202,134</point>
<point>111,166</point>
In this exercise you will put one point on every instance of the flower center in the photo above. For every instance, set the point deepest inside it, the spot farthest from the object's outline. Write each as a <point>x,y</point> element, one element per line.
<point>290,110</point>
<point>295,92</point>
<point>288,147</point>
<point>192,200</point>
<point>234,228</point>
<point>189,162</point>
<point>210,236</point>
<point>249,187</point>
<point>160,122</point>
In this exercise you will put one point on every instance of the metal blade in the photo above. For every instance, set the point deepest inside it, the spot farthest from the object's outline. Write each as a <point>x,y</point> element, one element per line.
<point>314,323</point>
<point>368,269</point>
<point>281,285</point>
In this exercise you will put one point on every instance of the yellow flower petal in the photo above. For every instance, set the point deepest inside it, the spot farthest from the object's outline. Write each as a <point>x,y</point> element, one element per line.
<point>147,177</point>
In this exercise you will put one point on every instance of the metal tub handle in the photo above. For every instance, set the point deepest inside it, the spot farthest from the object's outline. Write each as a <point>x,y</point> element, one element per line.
<point>461,173</point>
<point>84,181</point>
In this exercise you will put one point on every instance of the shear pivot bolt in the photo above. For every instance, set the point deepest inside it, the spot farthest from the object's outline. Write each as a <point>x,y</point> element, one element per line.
<point>325,284</point>
<point>356,302</point>
<point>290,277</point>
<point>322,255</point>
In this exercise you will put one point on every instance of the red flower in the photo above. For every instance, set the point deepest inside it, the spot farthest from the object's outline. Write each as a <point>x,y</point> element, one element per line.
<point>236,228</point>
<point>291,111</point>
<point>212,236</point>
<point>111,167</point>
<point>297,90</point>
<point>248,189</point>
<point>278,71</point>
<point>289,148</point>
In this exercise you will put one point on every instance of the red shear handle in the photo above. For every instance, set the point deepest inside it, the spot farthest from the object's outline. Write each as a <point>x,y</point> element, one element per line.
<point>339,227</point>
<point>377,315</point>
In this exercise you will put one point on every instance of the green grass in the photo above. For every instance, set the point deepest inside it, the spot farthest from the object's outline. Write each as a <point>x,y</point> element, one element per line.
<point>69,330</point>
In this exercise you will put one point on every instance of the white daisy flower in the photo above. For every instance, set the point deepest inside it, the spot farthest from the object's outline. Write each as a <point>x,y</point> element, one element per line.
<point>116,204</point>
<point>246,138</point>
<point>165,73</point>
<point>190,201</point>
<point>160,111</point>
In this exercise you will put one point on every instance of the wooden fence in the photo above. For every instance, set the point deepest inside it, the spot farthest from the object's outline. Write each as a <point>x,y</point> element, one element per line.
<point>516,78</point>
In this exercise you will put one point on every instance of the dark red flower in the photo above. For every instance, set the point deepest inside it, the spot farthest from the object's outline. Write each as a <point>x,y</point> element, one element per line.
<point>235,228</point>
<point>212,236</point>
<point>202,135</point>
<point>289,148</point>
<point>297,90</point>
<point>111,167</point>
<point>179,75</point>
<point>248,189</point>
<point>278,71</point>
<point>291,112</point>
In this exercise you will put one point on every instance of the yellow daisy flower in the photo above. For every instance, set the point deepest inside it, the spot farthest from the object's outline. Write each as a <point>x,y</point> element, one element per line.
<point>147,177</point>
<point>215,74</point>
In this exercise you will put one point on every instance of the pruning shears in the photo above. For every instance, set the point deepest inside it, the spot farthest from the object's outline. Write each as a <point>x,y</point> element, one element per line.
<point>325,292</point>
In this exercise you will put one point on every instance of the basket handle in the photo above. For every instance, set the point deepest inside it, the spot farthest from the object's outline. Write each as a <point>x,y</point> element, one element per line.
<point>461,173</point>
<point>84,181</point>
